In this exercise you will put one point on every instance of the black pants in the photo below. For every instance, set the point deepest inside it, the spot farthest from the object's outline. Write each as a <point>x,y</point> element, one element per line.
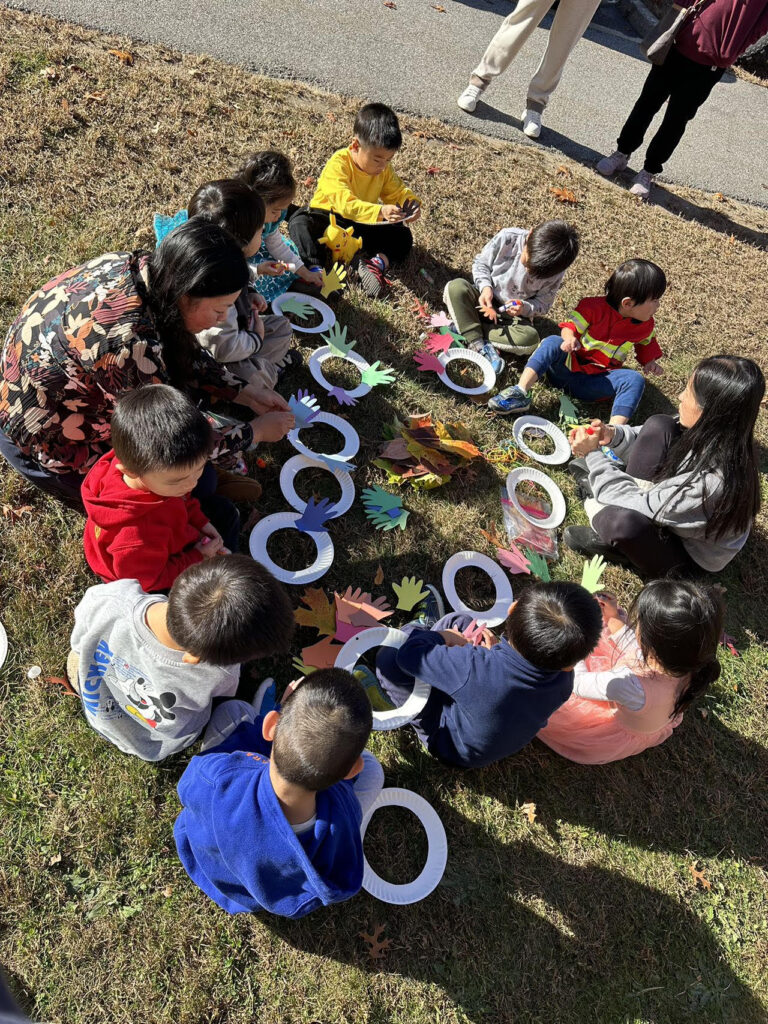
<point>221,512</point>
<point>686,85</point>
<point>654,550</point>
<point>307,224</point>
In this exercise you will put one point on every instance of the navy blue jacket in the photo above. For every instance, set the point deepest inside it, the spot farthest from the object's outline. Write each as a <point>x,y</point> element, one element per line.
<point>238,847</point>
<point>485,703</point>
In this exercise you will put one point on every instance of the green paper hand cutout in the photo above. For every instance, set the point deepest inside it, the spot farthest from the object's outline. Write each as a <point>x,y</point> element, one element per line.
<point>409,593</point>
<point>303,310</point>
<point>381,499</point>
<point>337,341</point>
<point>538,565</point>
<point>374,376</point>
<point>383,521</point>
<point>592,574</point>
<point>569,414</point>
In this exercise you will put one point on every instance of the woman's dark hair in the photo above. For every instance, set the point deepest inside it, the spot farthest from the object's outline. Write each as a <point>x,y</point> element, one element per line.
<point>728,390</point>
<point>229,610</point>
<point>376,125</point>
<point>679,624</point>
<point>232,205</point>
<point>157,427</point>
<point>554,625</point>
<point>200,260</point>
<point>551,248</point>
<point>270,175</point>
<point>323,728</point>
<point>638,280</point>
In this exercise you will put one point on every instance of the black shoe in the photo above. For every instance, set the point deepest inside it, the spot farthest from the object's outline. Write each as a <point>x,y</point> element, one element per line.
<point>291,359</point>
<point>584,541</point>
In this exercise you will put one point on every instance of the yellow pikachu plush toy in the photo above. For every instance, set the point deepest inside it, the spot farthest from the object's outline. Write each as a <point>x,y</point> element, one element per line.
<point>341,241</point>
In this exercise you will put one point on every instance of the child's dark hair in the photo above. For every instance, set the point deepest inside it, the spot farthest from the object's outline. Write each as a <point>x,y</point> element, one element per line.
<point>270,175</point>
<point>198,260</point>
<point>638,280</point>
<point>323,728</point>
<point>551,248</point>
<point>679,624</point>
<point>376,125</point>
<point>158,427</point>
<point>232,205</point>
<point>729,391</point>
<point>554,625</point>
<point>228,610</point>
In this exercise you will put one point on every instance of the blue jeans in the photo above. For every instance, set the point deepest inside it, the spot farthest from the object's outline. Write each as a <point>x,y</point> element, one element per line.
<point>623,387</point>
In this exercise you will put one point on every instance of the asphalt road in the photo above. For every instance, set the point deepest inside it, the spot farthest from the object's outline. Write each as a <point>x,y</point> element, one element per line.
<point>418,59</point>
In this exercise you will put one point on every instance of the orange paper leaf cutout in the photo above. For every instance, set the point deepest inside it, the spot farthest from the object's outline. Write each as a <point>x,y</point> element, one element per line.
<point>322,654</point>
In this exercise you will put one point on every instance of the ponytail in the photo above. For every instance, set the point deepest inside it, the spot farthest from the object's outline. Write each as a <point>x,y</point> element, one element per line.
<point>697,685</point>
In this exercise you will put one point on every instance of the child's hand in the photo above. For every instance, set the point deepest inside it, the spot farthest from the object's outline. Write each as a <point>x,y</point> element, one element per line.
<point>605,431</point>
<point>570,343</point>
<point>272,426</point>
<point>487,639</point>
<point>313,277</point>
<point>453,638</point>
<point>584,440</point>
<point>271,268</point>
<point>258,302</point>
<point>209,546</point>
<point>486,304</point>
<point>653,369</point>
<point>391,213</point>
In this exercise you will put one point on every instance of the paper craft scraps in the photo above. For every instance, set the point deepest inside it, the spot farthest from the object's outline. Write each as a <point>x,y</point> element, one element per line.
<point>356,611</point>
<point>592,572</point>
<point>304,408</point>
<point>301,668</point>
<point>409,592</point>
<point>334,280</point>
<point>425,454</point>
<point>323,654</point>
<point>319,613</point>
<point>507,552</point>
<point>385,510</point>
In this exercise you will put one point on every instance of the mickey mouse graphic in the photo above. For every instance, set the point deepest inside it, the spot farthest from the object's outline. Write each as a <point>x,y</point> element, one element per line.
<point>150,709</point>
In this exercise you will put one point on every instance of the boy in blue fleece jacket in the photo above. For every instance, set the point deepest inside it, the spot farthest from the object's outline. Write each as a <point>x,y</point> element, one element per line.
<point>489,700</point>
<point>273,805</point>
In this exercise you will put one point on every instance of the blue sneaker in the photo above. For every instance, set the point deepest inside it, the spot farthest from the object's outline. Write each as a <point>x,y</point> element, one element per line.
<point>486,349</point>
<point>432,607</point>
<point>510,402</point>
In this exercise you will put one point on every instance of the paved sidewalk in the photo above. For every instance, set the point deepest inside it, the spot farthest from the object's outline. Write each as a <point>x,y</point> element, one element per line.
<point>418,60</point>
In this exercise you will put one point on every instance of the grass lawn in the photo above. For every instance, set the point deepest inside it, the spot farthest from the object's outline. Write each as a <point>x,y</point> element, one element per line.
<point>590,913</point>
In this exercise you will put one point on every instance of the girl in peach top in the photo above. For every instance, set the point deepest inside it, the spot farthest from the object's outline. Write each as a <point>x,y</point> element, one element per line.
<point>631,692</point>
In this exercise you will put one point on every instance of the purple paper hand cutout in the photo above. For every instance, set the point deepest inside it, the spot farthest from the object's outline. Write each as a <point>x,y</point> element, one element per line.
<point>341,396</point>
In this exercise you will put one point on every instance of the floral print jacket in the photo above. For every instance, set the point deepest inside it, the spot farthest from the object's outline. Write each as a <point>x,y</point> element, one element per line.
<point>78,343</point>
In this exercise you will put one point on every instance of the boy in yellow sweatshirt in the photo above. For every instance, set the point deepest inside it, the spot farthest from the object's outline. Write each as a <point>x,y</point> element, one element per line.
<point>359,186</point>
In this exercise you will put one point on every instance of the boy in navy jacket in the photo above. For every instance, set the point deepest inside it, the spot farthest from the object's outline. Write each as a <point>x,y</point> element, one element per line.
<point>489,700</point>
<point>272,808</point>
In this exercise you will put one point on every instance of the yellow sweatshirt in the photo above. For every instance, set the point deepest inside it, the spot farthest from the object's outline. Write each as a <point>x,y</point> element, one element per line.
<point>343,188</point>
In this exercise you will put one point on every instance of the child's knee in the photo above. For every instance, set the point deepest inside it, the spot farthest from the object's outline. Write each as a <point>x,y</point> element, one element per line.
<point>619,525</point>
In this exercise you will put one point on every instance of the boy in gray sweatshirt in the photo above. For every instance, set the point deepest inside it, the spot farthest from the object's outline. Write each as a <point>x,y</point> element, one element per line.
<point>517,274</point>
<point>147,667</point>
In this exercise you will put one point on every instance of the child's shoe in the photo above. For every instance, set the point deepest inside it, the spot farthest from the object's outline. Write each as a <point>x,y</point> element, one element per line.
<point>485,348</point>
<point>510,402</point>
<point>585,541</point>
<point>291,359</point>
<point>531,123</point>
<point>236,487</point>
<point>468,99</point>
<point>609,165</point>
<point>371,275</point>
<point>432,607</point>
<point>642,184</point>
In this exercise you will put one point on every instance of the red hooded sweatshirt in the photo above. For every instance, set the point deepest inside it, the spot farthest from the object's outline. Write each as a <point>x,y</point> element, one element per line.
<point>137,535</point>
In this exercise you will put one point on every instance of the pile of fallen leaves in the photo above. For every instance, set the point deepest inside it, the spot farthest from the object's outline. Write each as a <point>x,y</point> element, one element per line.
<point>425,454</point>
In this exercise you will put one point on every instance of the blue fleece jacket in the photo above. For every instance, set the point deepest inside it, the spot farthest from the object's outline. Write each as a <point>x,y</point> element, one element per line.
<point>238,847</point>
<point>486,703</point>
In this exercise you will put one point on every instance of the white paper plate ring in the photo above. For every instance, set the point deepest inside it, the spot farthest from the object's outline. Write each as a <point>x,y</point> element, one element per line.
<point>463,559</point>
<point>295,465</point>
<point>3,644</point>
<point>555,496</point>
<point>320,355</point>
<point>437,850</point>
<point>325,311</point>
<point>347,431</point>
<point>263,530</point>
<point>468,355</point>
<point>384,636</point>
<point>562,450</point>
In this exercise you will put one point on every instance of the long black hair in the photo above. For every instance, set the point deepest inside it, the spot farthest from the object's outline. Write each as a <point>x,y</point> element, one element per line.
<point>200,260</point>
<point>679,624</point>
<point>728,390</point>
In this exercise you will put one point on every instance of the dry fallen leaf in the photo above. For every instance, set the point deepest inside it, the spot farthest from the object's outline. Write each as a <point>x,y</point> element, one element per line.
<point>434,170</point>
<point>438,7</point>
<point>168,891</point>
<point>376,946</point>
<point>319,613</point>
<point>123,56</point>
<point>65,106</point>
<point>378,579</point>
<point>97,97</point>
<point>308,181</point>
<point>563,195</point>
<point>55,859</point>
<point>562,169</point>
<point>390,4</point>
<point>719,197</point>
<point>330,116</point>
<point>14,514</point>
<point>699,877</point>
<point>529,810</point>
<point>50,74</point>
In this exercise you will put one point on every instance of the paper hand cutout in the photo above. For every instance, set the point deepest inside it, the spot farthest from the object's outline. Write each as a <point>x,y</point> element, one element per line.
<point>382,500</point>
<point>334,462</point>
<point>420,310</point>
<point>438,342</point>
<point>336,339</point>
<point>440,320</point>
<point>513,559</point>
<point>342,396</point>
<point>409,207</point>
<point>164,225</point>
<point>300,667</point>
<point>373,376</point>
<point>592,574</point>
<point>569,414</point>
<point>385,520</point>
<point>304,408</point>
<point>322,654</point>
<point>318,614</point>
<point>409,593</point>
<point>303,310</point>
<point>333,280</point>
<point>538,564</point>
<point>427,363</point>
<point>313,518</point>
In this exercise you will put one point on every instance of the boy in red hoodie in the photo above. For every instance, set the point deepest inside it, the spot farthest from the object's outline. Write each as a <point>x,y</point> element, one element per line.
<point>143,523</point>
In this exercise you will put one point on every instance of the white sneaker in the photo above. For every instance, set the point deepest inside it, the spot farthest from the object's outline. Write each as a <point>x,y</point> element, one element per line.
<point>641,186</point>
<point>531,124</point>
<point>609,165</point>
<point>468,99</point>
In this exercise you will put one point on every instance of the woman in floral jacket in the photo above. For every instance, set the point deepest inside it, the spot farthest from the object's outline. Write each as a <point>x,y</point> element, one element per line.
<point>117,322</point>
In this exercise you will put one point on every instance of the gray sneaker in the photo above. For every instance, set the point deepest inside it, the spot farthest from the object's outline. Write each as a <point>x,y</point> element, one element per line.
<point>510,402</point>
<point>609,165</point>
<point>642,184</point>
